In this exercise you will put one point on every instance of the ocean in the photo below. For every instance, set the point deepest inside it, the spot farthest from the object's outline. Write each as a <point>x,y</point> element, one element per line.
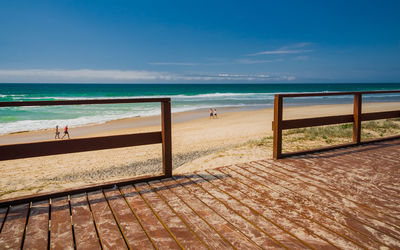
<point>184,97</point>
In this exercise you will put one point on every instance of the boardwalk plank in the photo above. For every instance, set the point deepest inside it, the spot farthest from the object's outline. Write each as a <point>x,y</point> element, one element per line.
<point>341,169</point>
<point>223,220</point>
<point>61,227</point>
<point>351,186</point>
<point>84,228</point>
<point>109,232</point>
<point>208,235</point>
<point>328,203</point>
<point>159,235</point>
<point>186,238</point>
<point>37,230</point>
<point>271,236</point>
<point>328,197</point>
<point>347,198</point>
<point>133,231</point>
<point>246,180</point>
<point>368,204</point>
<point>13,228</point>
<point>263,210</point>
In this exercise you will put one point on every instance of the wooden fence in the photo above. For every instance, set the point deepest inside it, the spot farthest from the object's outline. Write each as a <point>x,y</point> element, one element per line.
<point>34,149</point>
<point>356,118</point>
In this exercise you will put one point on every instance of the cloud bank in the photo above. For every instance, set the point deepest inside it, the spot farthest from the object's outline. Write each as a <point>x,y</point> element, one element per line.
<point>126,76</point>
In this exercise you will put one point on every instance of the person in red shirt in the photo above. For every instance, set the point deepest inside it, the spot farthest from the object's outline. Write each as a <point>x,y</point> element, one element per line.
<point>66,132</point>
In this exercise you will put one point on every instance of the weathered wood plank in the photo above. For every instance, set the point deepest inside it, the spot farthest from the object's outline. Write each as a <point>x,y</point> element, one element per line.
<point>332,193</point>
<point>217,219</point>
<point>321,235</point>
<point>109,232</point>
<point>13,228</point>
<point>229,205</point>
<point>60,227</point>
<point>133,231</point>
<point>183,234</point>
<point>84,228</point>
<point>322,214</point>
<point>155,229</point>
<point>208,235</point>
<point>328,200</point>
<point>269,226</point>
<point>37,230</point>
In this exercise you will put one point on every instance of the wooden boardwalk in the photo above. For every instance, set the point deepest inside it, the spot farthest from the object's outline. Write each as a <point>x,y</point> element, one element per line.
<point>348,198</point>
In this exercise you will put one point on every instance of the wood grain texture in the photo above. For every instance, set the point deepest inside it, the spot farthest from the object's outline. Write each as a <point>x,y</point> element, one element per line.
<point>37,230</point>
<point>60,227</point>
<point>108,229</point>
<point>13,229</point>
<point>84,228</point>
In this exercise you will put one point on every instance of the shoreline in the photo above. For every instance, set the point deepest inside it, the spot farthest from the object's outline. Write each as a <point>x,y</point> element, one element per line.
<point>93,129</point>
<point>111,127</point>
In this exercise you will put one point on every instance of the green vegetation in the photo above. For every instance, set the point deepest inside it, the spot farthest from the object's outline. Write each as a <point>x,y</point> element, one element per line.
<point>324,132</point>
<point>314,137</point>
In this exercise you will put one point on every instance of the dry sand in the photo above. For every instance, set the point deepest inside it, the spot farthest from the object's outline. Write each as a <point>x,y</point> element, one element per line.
<point>198,143</point>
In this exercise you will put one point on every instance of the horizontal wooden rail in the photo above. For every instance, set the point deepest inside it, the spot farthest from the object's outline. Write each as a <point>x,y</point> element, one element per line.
<point>319,121</point>
<point>34,149</point>
<point>278,125</point>
<point>44,148</point>
<point>82,102</point>
<point>314,94</point>
<point>380,115</point>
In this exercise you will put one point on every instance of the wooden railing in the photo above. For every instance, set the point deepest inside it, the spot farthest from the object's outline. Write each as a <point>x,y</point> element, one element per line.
<point>44,148</point>
<point>356,118</point>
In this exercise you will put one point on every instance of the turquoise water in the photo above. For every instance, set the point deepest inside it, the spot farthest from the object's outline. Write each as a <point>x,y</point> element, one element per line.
<point>184,97</point>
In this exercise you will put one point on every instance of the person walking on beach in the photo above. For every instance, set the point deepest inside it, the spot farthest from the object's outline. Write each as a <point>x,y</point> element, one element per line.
<point>57,133</point>
<point>215,113</point>
<point>211,113</point>
<point>66,132</point>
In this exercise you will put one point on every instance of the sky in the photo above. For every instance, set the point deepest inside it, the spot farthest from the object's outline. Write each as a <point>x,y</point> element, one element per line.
<point>127,41</point>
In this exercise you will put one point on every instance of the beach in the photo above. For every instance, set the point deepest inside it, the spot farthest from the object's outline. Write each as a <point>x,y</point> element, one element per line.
<point>198,142</point>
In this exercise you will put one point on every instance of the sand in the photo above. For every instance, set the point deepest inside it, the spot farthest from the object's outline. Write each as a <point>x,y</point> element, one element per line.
<point>198,143</point>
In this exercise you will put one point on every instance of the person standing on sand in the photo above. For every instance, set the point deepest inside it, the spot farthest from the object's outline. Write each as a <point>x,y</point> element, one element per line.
<point>211,113</point>
<point>57,133</point>
<point>66,132</point>
<point>215,113</point>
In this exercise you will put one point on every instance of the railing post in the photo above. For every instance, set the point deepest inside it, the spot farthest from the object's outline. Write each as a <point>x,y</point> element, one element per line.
<point>277,140</point>
<point>357,118</point>
<point>166,138</point>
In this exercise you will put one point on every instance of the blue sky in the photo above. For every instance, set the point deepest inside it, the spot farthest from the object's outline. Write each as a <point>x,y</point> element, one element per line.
<point>199,41</point>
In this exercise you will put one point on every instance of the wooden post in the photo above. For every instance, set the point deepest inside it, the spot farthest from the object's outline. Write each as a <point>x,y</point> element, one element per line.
<point>166,138</point>
<point>277,141</point>
<point>357,118</point>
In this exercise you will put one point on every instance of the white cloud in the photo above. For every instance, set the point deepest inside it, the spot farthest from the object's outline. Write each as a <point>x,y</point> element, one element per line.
<point>280,52</point>
<point>297,45</point>
<point>129,76</point>
<point>237,61</point>
<point>242,77</point>
<point>249,61</point>
<point>292,49</point>
<point>174,63</point>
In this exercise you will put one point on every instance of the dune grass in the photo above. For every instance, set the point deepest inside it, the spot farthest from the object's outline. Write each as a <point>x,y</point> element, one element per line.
<point>314,137</point>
